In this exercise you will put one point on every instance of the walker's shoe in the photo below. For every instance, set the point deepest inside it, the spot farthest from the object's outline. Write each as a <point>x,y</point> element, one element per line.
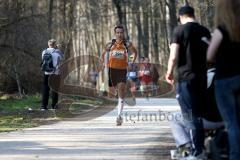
<point>201,156</point>
<point>55,106</point>
<point>43,108</point>
<point>119,121</point>
<point>180,153</point>
<point>184,150</point>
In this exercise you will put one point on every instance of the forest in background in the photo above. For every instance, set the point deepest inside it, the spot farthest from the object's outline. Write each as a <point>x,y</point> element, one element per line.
<point>83,27</point>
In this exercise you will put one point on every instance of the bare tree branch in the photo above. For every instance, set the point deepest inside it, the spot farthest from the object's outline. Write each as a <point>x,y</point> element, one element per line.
<point>30,54</point>
<point>21,19</point>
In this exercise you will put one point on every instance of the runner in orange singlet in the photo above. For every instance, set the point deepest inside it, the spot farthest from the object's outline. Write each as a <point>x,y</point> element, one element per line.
<point>117,54</point>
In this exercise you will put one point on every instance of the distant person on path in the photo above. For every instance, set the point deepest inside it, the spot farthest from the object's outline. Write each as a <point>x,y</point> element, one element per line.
<point>116,54</point>
<point>93,75</point>
<point>141,60</point>
<point>224,52</point>
<point>140,74</point>
<point>188,52</point>
<point>146,74</point>
<point>51,58</point>
<point>132,75</point>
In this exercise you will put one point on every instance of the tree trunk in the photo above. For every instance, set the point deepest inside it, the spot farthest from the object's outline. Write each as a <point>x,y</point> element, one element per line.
<point>136,8</point>
<point>201,6</point>
<point>118,4</point>
<point>155,31</point>
<point>164,33</point>
<point>50,17</point>
<point>210,13</point>
<point>145,41</point>
<point>125,22</point>
<point>172,16</point>
<point>121,15</point>
<point>20,91</point>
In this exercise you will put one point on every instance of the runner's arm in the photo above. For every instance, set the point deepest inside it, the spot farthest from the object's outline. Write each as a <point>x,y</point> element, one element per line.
<point>102,57</point>
<point>133,51</point>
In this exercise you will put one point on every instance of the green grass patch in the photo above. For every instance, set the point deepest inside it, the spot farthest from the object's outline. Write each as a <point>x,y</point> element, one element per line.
<point>14,122</point>
<point>19,104</point>
<point>15,114</point>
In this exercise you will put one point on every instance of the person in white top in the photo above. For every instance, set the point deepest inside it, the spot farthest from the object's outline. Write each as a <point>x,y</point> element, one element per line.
<point>57,56</point>
<point>132,75</point>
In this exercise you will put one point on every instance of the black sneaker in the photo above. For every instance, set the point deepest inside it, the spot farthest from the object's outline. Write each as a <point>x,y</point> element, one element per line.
<point>119,121</point>
<point>43,109</point>
<point>184,151</point>
<point>55,107</point>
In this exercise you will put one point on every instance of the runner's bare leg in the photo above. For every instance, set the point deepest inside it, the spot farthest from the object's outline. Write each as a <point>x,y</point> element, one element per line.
<point>121,95</point>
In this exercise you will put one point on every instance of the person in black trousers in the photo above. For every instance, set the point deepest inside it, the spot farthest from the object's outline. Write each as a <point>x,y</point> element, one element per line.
<point>188,53</point>
<point>54,76</point>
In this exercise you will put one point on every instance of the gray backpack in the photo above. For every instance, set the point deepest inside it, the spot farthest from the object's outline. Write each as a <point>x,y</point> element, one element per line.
<point>47,62</point>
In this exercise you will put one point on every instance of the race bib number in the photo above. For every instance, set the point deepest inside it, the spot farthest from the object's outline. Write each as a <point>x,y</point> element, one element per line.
<point>132,74</point>
<point>118,54</point>
<point>147,72</point>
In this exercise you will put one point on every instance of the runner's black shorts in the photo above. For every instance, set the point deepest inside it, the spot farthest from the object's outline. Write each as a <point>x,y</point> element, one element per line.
<point>116,76</point>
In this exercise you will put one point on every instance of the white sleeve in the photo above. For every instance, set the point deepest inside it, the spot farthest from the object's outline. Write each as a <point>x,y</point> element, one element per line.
<point>43,52</point>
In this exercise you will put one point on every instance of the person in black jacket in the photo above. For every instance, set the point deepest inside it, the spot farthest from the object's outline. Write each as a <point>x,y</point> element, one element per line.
<point>188,53</point>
